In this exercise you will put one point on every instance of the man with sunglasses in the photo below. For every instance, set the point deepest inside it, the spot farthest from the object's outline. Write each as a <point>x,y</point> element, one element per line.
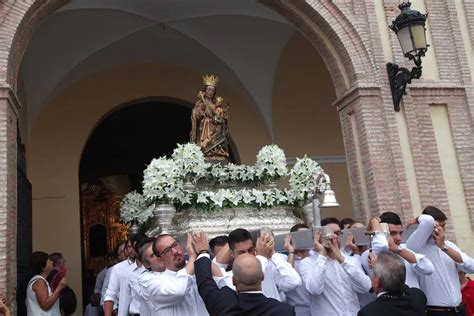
<point>442,288</point>
<point>173,291</point>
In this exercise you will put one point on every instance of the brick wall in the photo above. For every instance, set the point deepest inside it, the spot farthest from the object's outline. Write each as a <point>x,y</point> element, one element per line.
<point>8,201</point>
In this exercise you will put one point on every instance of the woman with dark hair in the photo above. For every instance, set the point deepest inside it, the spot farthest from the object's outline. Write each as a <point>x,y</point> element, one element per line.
<point>40,300</point>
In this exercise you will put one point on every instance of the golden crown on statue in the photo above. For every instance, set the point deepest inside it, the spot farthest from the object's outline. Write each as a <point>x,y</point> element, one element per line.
<point>210,80</point>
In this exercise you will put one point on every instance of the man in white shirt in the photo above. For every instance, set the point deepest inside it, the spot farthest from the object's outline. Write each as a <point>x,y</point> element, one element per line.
<point>132,276</point>
<point>299,297</point>
<point>174,291</point>
<point>116,290</point>
<point>416,264</point>
<point>279,274</point>
<point>153,267</point>
<point>333,279</point>
<point>442,288</point>
<point>120,256</point>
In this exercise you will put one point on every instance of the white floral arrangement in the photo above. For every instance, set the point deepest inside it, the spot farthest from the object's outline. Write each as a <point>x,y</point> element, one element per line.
<point>231,172</point>
<point>163,180</point>
<point>302,177</point>
<point>226,198</point>
<point>190,159</point>
<point>134,207</point>
<point>271,163</point>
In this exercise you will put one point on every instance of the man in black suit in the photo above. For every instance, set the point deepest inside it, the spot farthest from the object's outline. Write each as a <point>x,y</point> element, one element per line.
<point>394,298</point>
<point>247,279</point>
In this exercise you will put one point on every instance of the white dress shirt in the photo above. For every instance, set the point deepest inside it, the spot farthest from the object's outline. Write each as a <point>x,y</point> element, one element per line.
<point>99,281</point>
<point>133,289</point>
<point>299,297</point>
<point>333,286</point>
<point>117,287</point>
<point>172,293</point>
<point>442,288</point>
<point>423,265</point>
<point>145,304</point>
<point>279,275</point>
<point>105,285</point>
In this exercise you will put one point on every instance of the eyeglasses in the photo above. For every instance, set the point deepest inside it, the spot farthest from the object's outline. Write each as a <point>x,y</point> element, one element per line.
<point>167,250</point>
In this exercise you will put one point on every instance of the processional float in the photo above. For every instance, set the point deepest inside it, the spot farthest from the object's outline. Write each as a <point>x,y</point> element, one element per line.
<point>199,188</point>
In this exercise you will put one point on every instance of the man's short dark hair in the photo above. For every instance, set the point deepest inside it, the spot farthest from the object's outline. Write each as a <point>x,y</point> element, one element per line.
<point>391,271</point>
<point>55,257</point>
<point>136,238</point>
<point>218,241</point>
<point>390,218</point>
<point>238,235</point>
<point>39,260</point>
<point>329,220</point>
<point>140,244</point>
<point>142,248</point>
<point>296,227</point>
<point>139,241</point>
<point>346,221</point>
<point>436,213</point>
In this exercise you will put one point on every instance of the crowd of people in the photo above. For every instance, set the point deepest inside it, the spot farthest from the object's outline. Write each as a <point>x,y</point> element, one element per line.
<point>236,275</point>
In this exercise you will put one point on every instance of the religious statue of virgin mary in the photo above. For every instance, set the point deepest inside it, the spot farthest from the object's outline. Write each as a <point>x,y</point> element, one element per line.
<point>209,122</point>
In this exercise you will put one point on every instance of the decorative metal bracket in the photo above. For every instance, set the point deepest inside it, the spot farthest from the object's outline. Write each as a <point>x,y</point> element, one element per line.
<point>399,77</point>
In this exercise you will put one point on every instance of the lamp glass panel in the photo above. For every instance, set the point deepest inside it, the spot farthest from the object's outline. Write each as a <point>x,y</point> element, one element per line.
<point>419,36</point>
<point>404,38</point>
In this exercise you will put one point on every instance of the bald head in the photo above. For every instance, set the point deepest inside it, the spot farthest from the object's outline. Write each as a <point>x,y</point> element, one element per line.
<point>247,273</point>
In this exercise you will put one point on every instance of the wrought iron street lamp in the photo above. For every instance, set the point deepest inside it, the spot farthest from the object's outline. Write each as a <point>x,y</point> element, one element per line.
<point>411,32</point>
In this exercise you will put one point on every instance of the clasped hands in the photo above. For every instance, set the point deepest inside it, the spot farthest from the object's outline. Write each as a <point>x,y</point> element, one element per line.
<point>197,242</point>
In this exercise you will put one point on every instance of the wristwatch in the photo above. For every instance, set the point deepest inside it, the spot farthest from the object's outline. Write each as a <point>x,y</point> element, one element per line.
<point>445,248</point>
<point>399,249</point>
<point>203,251</point>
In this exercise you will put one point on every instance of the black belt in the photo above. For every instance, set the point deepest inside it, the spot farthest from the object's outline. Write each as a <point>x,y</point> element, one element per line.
<point>452,309</point>
<point>134,314</point>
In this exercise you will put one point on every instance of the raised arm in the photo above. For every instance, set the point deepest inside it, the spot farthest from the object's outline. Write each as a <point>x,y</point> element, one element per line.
<point>166,289</point>
<point>421,264</point>
<point>313,268</point>
<point>417,241</point>
<point>361,283</point>
<point>467,263</point>
<point>313,273</point>
<point>217,301</point>
<point>45,300</point>
<point>286,277</point>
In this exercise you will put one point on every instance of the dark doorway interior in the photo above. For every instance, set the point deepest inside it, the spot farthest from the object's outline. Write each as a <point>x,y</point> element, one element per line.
<point>128,139</point>
<point>120,147</point>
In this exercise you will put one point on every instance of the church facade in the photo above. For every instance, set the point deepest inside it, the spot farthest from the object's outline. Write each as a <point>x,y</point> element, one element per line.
<point>309,76</point>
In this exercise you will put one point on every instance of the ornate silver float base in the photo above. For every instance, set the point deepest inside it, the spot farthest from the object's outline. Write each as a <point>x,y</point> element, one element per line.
<point>164,214</point>
<point>222,222</point>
